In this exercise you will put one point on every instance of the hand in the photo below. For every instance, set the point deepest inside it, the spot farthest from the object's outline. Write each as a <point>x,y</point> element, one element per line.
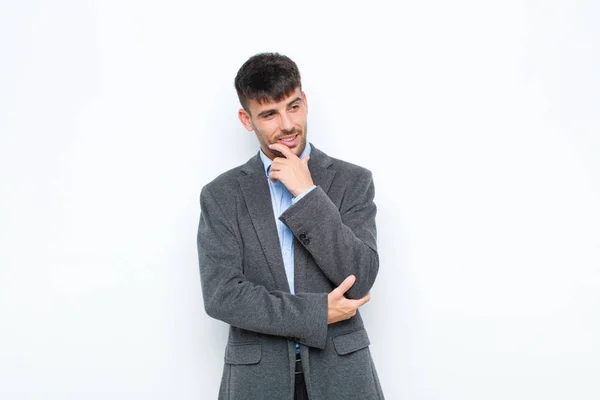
<point>340,308</point>
<point>290,170</point>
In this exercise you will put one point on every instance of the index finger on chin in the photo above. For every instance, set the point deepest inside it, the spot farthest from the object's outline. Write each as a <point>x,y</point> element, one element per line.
<point>287,153</point>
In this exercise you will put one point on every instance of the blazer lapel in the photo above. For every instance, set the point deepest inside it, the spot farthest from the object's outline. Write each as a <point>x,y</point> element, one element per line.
<point>319,169</point>
<point>255,190</point>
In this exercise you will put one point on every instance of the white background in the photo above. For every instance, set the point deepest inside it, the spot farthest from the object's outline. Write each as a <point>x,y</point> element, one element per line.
<point>480,122</point>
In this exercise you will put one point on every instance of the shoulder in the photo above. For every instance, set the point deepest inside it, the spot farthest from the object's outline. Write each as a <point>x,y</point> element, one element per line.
<point>224,181</point>
<point>349,168</point>
<point>225,188</point>
<point>340,166</point>
<point>346,171</point>
<point>228,180</point>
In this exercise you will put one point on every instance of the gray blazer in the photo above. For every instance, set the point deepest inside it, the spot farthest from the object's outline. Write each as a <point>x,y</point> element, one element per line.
<point>244,283</point>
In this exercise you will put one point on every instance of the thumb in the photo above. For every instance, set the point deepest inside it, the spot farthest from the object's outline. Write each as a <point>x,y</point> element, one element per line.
<point>345,285</point>
<point>305,160</point>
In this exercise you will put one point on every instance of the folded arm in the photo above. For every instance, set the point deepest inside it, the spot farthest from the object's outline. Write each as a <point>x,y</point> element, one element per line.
<point>230,297</point>
<point>342,242</point>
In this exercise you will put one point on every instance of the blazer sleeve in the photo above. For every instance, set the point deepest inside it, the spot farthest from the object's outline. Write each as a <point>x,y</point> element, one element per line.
<point>231,298</point>
<point>342,241</point>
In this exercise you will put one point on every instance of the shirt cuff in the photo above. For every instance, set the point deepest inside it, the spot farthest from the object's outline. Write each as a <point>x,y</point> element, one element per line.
<point>301,195</point>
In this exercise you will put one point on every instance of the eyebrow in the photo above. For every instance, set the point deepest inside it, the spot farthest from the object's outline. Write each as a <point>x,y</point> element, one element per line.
<point>270,110</point>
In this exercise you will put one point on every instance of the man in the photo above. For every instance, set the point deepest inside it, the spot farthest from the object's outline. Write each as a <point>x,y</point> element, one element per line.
<point>287,252</point>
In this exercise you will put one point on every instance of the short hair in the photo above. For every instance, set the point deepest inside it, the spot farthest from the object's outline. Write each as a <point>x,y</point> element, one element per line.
<point>266,77</point>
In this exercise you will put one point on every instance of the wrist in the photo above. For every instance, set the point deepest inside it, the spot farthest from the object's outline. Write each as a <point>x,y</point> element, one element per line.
<point>302,193</point>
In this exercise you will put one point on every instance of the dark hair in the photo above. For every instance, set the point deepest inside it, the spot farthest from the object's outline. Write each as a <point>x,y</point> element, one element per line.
<point>266,77</point>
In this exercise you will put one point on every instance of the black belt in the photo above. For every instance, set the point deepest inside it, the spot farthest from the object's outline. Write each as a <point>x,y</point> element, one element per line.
<point>298,364</point>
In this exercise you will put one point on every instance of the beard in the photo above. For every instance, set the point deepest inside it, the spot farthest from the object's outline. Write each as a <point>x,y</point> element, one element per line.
<point>300,146</point>
<point>301,141</point>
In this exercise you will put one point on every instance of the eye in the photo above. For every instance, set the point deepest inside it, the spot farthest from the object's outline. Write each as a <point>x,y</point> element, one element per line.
<point>295,107</point>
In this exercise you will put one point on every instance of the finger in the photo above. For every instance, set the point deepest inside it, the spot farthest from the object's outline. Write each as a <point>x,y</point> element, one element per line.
<point>283,149</point>
<point>345,285</point>
<point>305,160</point>
<point>364,300</point>
<point>277,163</point>
<point>273,175</point>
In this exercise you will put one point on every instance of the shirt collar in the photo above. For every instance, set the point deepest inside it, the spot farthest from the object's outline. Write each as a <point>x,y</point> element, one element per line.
<point>267,161</point>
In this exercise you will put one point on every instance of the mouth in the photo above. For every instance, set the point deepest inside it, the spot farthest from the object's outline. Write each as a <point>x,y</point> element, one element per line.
<point>289,140</point>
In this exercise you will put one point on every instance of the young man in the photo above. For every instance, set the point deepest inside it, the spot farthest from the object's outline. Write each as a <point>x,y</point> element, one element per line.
<point>287,252</point>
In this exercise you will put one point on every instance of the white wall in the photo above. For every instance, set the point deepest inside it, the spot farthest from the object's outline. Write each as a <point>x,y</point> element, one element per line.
<point>479,120</point>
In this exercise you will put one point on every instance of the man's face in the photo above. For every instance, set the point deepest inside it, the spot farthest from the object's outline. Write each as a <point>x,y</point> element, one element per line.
<point>278,122</point>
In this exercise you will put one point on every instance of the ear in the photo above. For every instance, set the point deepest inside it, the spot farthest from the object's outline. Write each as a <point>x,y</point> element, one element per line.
<point>245,119</point>
<point>304,100</point>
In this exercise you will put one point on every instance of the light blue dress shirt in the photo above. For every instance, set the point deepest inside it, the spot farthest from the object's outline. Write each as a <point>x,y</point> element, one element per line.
<point>282,199</point>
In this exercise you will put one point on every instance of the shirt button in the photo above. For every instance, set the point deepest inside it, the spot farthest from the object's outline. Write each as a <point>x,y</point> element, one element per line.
<point>286,252</point>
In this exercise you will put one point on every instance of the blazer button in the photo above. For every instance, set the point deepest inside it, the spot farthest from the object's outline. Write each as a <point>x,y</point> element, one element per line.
<point>303,239</point>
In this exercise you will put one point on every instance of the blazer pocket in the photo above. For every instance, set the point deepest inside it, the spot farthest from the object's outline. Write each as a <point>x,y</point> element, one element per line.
<point>243,353</point>
<point>350,342</point>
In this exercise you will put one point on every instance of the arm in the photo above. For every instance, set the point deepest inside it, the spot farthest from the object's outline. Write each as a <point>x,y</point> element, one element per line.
<point>342,242</point>
<point>230,297</point>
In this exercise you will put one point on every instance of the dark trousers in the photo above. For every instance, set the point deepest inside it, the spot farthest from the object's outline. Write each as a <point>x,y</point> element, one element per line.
<point>300,392</point>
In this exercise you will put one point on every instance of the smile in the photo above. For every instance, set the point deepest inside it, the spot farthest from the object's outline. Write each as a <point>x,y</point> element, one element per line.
<point>289,141</point>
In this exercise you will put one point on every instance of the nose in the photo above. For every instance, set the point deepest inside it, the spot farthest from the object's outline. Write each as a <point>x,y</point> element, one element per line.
<point>286,124</point>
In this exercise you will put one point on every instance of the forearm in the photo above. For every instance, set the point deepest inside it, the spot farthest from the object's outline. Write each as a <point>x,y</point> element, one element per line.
<point>341,243</point>
<point>238,302</point>
<point>230,297</point>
